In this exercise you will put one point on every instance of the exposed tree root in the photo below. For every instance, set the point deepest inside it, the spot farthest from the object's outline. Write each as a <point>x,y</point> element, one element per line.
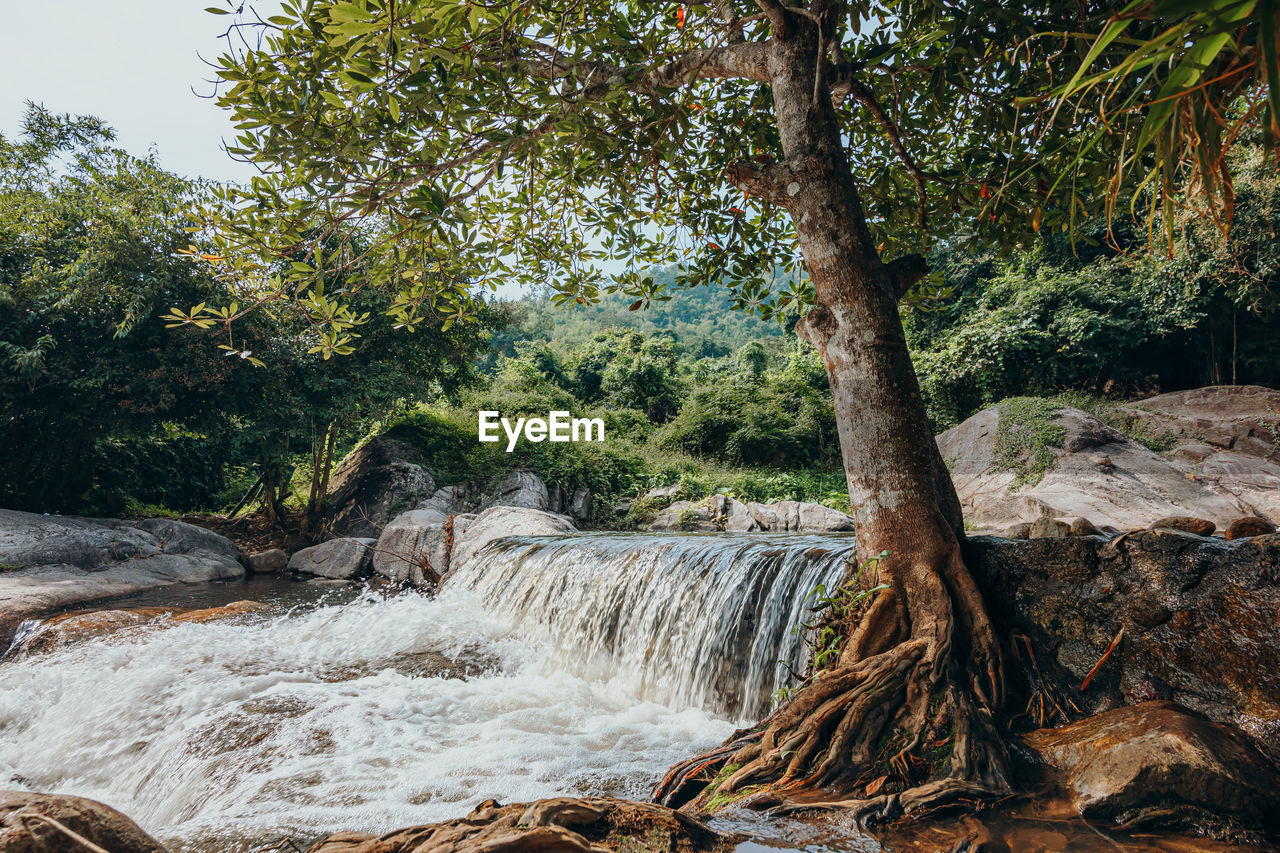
<point>559,825</point>
<point>902,725</point>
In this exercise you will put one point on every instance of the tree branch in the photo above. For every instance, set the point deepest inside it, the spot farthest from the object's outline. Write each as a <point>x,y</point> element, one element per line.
<point>904,272</point>
<point>741,60</point>
<point>867,98</point>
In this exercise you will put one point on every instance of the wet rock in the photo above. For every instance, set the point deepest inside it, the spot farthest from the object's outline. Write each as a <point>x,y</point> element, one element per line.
<point>67,628</point>
<point>377,481</point>
<point>519,489</point>
<point>44,823</point>
<point>340,559</point>
<point>472,533</point>
<point>54,562</point>
<point>1201,620</point>
<point>1153,764</point>
<point>414,548</point>
<point>596,824</point>
<point>268,562</point>
<point>1187,524</point>
<point>1243,528</point>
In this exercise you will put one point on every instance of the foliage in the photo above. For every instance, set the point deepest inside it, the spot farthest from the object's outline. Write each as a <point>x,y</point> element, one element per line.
<point>94,251</point>
<point>89,241</point>
<point>503,132</point>
<point>1025,437</point>
<point>1097,320</point>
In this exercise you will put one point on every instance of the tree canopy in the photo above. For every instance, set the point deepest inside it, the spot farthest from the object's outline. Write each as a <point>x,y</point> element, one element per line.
<point>557,143</point>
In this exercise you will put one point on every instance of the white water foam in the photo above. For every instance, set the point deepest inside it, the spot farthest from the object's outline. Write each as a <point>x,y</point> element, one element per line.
<point>593,666</point>
<point>226,735</point>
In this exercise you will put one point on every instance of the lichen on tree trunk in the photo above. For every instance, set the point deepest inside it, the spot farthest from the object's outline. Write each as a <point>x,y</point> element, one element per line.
<point>905,719</point>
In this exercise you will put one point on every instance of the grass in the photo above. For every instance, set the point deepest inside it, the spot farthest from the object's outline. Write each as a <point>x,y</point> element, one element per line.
<point>1025,438</point>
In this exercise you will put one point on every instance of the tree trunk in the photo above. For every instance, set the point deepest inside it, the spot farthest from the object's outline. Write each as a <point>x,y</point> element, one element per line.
<point>903,721</point>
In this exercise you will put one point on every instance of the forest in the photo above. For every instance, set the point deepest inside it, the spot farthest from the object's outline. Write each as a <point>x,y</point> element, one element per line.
<point>934,502</point>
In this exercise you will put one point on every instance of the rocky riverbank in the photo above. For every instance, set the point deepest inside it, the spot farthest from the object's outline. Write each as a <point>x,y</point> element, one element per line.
<point>50,563</point>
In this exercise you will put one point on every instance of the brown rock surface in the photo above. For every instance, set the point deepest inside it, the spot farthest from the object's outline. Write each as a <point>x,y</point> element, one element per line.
<point>1243,528</point>
<point>54,823</point>
<point>1154,764</point>
<point>1185,523</point>
<point>58,631</point>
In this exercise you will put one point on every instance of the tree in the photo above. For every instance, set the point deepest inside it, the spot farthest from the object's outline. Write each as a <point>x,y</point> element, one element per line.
<point>89,242</point>
<point>820,139</point>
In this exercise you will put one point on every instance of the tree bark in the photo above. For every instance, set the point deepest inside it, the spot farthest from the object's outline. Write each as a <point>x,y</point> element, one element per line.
<point>903,721</point>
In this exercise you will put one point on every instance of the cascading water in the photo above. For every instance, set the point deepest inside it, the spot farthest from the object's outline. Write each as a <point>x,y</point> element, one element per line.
<point>581,665</point>
<point>690,621</point>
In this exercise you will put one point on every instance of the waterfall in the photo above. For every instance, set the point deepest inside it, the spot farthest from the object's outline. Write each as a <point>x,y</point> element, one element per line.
<point>710,622</point>
<point>583,665</point>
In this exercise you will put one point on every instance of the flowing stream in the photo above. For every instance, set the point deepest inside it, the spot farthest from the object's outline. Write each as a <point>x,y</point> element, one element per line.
<point>580,665</point>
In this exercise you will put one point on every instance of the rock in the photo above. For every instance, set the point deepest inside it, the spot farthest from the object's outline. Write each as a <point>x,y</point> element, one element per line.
<point>1187,524</point>
<point>662,493</point>
<point>685,515</point>
<point>519,489</point>
<point>1048,528</point>
<point>414,548</point>
<point>472,533</point>
<point>1240,418</point>
<point>24,828</point>
<point>1082,527</point>
<point>340,559</point>
<point>1138,486</point>
<point>1201,620</point>
<point>1021,530</point>
<point>1153,764</point>
<point>58,631</point>
<point>378,480</point>
<point>50,562</point>
<point>738,518</point>
<point>1243,528</point>
<point>450,500</point>
<point>580,504</point>
<point>268,562</point>
<point>1256,482</point>
<point>559,825</point>
<point>723,513</point>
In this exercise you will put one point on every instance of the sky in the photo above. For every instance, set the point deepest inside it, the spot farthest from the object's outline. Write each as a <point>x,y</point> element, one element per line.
<point>136,64</point>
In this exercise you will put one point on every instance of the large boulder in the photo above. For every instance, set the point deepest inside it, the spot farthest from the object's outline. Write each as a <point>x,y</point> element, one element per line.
<point>1154,764</point>
<point>414,548</point>
<point>41,823</point>
<point>340,559</point>
<point>377,481</point>
<point>1200,619</point>
<point>472,533</point>
<point>1098,473</point>
<point>519,488</point>
<point>50,562</point>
